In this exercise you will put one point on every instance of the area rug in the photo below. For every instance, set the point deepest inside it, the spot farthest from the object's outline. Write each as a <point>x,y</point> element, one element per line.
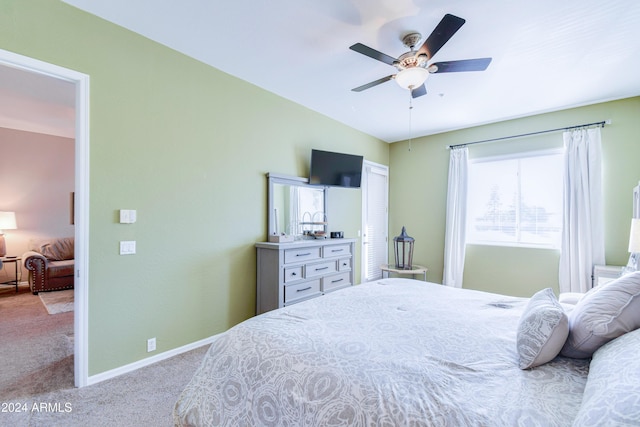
<point>57,301</point>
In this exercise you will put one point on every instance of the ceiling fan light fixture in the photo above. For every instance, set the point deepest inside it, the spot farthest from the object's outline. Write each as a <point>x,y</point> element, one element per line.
<point>411,78</point>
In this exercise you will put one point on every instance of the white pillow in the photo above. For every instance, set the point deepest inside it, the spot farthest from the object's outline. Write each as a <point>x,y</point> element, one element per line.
<point>612,394</point>
<point>542,330</point>
<point>604,313</point>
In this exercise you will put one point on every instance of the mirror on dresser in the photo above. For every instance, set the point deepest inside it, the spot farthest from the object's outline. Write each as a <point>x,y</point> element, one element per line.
<point>296,208</point>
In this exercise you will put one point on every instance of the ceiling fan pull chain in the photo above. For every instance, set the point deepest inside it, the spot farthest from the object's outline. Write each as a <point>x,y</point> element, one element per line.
<point>410,108</point>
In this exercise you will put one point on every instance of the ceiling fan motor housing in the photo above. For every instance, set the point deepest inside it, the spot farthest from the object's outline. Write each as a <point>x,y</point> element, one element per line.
<point>410,60</point>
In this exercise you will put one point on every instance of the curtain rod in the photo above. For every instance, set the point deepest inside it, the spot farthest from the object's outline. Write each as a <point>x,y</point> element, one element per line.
<point>601,124</point>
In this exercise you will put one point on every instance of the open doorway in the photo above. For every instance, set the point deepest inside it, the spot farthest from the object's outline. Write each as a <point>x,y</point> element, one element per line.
<point>28,93</point>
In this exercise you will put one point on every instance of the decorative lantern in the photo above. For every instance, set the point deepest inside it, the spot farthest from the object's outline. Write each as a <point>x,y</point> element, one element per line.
<point>403,249</point>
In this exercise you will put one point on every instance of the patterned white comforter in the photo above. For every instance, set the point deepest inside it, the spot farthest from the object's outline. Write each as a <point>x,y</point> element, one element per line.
<point>395,352</point>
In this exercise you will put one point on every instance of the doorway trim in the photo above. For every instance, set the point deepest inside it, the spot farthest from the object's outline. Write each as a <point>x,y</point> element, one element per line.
<point>81,247</point>
<point>367,167</point>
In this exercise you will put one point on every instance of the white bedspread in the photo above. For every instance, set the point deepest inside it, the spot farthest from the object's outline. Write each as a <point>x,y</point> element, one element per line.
<point>396,352</point>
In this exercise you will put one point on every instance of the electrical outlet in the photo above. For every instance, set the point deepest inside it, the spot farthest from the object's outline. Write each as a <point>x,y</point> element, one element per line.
<point>151,344</point>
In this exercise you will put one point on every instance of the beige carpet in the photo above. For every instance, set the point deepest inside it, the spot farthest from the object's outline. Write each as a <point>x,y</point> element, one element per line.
<point>57,301</point>
<point>36,351</point>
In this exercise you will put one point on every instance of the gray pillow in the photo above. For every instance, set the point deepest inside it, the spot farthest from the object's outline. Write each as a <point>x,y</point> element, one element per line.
<point>611,396</point>
<point>604,313</point>
<point>542,330</point>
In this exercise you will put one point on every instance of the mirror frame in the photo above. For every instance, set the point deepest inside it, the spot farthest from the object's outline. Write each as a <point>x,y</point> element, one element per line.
<point>272,179</point>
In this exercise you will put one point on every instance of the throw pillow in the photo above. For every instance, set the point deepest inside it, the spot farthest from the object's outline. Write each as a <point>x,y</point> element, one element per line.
<point>611,394</point>
<point>604,313</point>
<point>542,330</point>
<point>58,249</point>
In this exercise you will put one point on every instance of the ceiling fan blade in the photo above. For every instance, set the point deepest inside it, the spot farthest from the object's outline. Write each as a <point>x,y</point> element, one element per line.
<point>372,53</point>
<point>419,91</point>
<point>441,34</point>
<point>372,84</point>
<point>479,64</point>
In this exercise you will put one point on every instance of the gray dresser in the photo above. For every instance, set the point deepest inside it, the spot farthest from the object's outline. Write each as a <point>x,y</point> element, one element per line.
<point>292,272</point>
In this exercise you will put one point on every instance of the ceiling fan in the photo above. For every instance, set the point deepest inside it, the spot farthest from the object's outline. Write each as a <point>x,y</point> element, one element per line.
<point>413,67</point>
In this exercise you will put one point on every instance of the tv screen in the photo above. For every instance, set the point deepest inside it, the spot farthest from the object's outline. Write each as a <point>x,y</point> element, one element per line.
<point>335,169</point>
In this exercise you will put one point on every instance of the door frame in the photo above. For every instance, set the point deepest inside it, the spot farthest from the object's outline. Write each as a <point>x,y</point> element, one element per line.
<point>81,187</point>
<point>363,261</point>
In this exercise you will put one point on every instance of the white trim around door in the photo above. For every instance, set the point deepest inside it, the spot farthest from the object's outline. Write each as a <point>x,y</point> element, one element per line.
<point>81,298</point>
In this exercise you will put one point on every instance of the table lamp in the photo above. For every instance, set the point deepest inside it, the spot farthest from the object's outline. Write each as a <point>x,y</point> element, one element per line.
<point>7,222</point>
<point>634,245</point>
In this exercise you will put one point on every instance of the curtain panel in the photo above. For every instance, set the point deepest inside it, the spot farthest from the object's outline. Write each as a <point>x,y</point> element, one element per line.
<point>455,233</point>
<point>583,225</point>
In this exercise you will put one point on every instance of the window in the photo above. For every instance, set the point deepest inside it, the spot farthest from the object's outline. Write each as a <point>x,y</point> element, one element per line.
<point>516,200</point>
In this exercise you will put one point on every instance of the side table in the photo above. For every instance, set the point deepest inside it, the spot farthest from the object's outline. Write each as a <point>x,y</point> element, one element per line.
<point>417,269</point>
<point>14,260</point>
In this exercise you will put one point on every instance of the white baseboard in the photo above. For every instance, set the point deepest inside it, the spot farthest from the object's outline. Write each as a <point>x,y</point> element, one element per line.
<point>94,379</point>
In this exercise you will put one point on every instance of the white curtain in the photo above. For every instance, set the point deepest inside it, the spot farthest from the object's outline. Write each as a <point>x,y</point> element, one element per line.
<point>455,234</point>
<point>583,227</point>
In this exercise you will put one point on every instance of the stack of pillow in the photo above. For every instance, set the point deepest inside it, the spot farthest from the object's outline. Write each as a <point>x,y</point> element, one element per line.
<point>603,325</point>
<point>601,315</point>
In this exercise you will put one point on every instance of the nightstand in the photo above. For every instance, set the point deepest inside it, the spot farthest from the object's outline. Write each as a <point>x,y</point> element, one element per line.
<point>14,260</point>
<point>605,273</point>
<point>417,269</point>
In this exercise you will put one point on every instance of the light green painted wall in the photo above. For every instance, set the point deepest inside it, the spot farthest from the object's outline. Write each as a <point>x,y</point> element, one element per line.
<point>418,187</point>
<point>188,147</point>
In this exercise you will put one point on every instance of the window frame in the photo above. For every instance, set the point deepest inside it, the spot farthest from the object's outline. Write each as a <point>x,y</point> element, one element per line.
<point>505,157</point>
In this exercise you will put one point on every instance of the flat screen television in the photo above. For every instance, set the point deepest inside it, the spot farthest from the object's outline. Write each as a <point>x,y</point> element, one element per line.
<point>335,169</point>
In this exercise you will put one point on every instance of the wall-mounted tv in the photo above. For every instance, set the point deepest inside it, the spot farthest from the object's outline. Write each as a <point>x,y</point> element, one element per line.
<point>335,169</point>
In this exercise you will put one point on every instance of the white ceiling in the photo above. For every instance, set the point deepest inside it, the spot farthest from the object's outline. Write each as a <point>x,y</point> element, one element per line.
<point>547,54</point>
<point>36,103</point>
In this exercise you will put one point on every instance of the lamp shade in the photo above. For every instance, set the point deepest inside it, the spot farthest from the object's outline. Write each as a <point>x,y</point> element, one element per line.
<point>8,221</point>
<point>634,236</point>
<point>411,78</point>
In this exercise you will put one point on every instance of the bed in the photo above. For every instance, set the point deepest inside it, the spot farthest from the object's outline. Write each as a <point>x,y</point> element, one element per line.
<point>404,352</point>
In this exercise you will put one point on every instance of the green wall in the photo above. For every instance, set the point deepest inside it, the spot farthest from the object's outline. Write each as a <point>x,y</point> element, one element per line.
<point>418,188</point>
<point>188,147</point>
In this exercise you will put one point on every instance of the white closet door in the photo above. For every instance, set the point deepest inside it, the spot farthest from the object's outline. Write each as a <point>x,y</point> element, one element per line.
<point>375,243</point>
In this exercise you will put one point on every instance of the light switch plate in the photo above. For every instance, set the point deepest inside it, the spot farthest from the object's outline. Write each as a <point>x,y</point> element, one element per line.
<point>127,216</point>
<point>127,247</point>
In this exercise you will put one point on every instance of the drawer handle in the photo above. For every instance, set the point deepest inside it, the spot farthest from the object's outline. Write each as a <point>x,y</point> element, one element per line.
<point>338,280</point>
<point>344,264</point>
<point>294,274</point>
<point>337,250</point>
<point>303,289</point>
<point>321,268</point>
<point>307,254</point>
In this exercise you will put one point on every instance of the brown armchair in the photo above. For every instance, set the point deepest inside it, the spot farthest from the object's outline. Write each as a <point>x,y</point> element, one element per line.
<point>50,265</point>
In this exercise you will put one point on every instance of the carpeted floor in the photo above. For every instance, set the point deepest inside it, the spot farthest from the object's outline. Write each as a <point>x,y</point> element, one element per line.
<point>36,379</point>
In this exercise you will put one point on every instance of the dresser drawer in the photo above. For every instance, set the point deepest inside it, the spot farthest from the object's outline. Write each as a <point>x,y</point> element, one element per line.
<point>320,269</point>
<point>335,282</point>
<point>336,250</point>
<point>344,264</point>
<point>301,255</point>
<point>300,291</point>
<point>291,274</point>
